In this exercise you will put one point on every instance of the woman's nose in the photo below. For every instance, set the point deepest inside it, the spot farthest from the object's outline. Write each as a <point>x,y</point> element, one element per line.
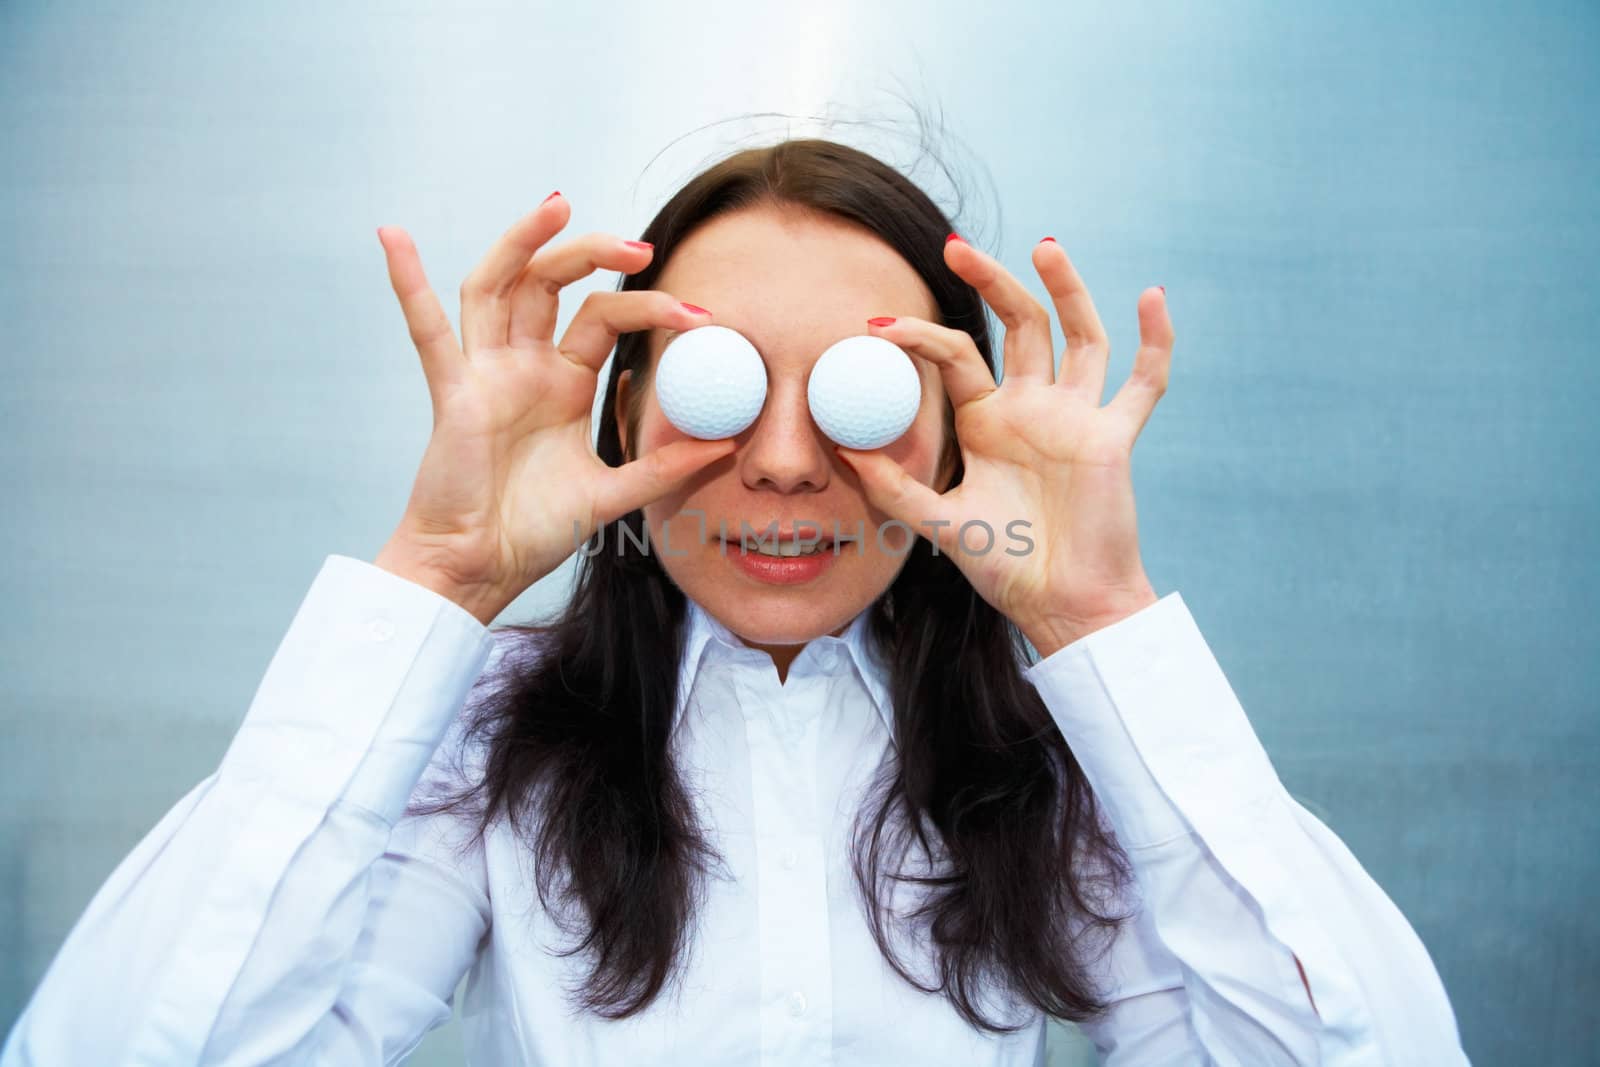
<point>785,451</point>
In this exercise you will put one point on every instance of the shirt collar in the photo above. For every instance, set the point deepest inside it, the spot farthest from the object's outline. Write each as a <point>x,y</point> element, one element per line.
<point>702,629</point>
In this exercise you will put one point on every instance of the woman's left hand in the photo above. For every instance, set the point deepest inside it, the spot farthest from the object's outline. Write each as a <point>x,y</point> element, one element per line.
<point>1037,448</point>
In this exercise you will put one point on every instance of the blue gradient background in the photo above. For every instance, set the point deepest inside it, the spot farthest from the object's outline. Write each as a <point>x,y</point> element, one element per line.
<point>1374,476</point>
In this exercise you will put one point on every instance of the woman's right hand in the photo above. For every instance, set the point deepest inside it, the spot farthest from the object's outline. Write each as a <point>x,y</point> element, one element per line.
<point>509,469</point>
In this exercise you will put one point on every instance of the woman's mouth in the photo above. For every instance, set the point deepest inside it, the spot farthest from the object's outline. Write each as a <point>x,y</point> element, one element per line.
<point>772,560</point>
<point>799,540</point>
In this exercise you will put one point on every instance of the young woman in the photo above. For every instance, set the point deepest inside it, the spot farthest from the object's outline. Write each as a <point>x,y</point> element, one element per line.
<point>738,807</point>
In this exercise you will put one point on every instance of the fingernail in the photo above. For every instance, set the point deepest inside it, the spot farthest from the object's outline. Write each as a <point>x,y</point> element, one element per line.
<point>1162,288</point>
<point>639,244</point>
<point>696,310</point>
<point>955,237</point>
<point>551,197</point>
<point>886,321</point>
<point>1052,240</point>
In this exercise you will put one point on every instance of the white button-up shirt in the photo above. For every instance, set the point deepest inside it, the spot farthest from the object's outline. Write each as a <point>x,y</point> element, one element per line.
<point>287,911</point>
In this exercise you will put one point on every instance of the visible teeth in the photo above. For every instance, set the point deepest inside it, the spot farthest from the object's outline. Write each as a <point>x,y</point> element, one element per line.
<point>787,548</point>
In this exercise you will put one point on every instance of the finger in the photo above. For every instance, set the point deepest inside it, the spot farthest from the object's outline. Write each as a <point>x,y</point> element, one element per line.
<point>900,496</point>
<point>442,361</point>
<point>1151,366</point>
<point>536,297</point>
<point>1028,351</point>
<point>1083,367</point>
<point>604,316</point>
<point>654,474</point>
<point>966,376</point>
<point>486,292</point>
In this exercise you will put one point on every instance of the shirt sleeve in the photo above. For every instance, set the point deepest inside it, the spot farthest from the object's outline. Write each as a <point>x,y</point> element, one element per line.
<point>1236,879</point>
<point>285,909</point>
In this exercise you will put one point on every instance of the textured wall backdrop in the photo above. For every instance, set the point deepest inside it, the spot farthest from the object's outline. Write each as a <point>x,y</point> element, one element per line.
<point>1373,477</point>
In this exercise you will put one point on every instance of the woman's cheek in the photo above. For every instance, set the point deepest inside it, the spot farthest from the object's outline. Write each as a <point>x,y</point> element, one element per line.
<point>655,432</point>
<point>917,450</point>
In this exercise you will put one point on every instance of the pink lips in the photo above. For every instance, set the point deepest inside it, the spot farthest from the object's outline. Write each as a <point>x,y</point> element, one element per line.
<point>781,570</point>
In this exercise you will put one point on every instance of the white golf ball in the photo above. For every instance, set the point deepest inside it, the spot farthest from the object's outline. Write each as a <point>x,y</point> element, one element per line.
<point>864,392</point>
<point>711,382</point>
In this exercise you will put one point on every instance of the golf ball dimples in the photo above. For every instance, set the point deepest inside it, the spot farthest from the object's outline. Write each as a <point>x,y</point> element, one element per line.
<point>711,382</point>
<point>864,392</point>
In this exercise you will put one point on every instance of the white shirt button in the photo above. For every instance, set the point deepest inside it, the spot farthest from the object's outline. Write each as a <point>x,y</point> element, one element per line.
<point>789,858</point>
<point>797,1003</point>
<point>380,629</point>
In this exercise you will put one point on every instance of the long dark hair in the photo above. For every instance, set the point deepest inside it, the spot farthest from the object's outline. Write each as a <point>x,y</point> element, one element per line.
<point>575,729</point>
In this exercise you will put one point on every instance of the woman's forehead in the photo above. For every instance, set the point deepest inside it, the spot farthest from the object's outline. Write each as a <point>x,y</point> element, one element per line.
<point>751,260</point>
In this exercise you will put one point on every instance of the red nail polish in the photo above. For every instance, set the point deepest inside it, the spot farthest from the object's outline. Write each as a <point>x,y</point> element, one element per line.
<point>954,237</point>
<point>1052,240</point>
<point>639,244</point>
<point>885,321</point>
<point>696,310</point>
<point>551,197</point>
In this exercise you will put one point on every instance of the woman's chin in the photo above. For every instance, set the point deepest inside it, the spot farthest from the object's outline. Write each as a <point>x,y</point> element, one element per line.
<point>784,614</point>
<point>779,601</point>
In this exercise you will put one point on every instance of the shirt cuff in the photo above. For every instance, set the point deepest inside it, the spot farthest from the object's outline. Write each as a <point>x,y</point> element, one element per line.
<point>373,670</point>
<point>1155,726</point>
